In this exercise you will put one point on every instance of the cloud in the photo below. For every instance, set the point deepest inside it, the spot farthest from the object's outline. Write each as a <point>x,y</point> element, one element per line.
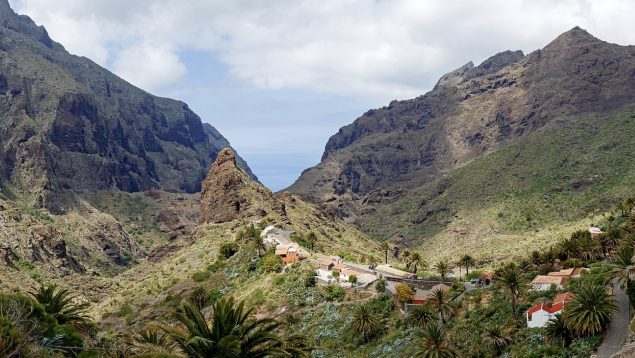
<point>375,49</point>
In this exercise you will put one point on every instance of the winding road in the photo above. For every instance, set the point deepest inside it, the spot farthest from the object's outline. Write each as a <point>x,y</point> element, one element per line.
<point>618,328</point>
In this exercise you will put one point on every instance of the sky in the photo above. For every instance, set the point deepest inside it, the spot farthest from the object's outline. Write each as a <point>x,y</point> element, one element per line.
<point>278,78</point>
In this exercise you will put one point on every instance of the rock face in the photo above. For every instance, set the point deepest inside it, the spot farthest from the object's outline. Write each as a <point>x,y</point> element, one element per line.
<point>229,193</point>
<point>471,112</point>
<point>68,125</point>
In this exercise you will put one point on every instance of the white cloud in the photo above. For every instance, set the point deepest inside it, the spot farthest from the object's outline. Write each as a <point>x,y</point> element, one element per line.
<point>368,49</point>
<point>148,66</point>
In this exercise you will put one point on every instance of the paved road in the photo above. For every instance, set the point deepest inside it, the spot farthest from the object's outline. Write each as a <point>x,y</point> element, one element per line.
<point>618,328</point>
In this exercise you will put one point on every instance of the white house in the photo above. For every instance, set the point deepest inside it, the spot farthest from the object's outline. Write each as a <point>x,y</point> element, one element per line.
<point>538,316</point>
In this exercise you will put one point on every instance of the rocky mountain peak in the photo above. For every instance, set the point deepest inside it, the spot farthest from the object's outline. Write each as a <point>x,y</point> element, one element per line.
<point>572,38</point>
<point>229,193</point>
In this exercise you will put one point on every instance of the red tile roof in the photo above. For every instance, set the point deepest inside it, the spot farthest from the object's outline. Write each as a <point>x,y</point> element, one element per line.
<point>555,308</point>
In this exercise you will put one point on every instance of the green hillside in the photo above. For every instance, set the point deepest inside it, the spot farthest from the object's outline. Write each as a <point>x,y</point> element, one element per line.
<point>564,172</point>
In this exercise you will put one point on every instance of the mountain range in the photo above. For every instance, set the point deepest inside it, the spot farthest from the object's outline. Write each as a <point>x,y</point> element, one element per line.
<point>552,127</point>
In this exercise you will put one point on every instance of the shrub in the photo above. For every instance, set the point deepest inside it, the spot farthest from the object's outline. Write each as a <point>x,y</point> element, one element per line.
<point>352,279</point>
<point>332,292</point>
<point>200,276</point>
<point>272,263</point>
<point>309,280</point>
<point>380,286</point>
<point>405,293</point>
<point>228,249</point>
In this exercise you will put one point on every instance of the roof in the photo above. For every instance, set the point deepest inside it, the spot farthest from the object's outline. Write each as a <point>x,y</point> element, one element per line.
<point>562,297</point>
<point>549,280</point>
<point>282,249</point>
<point>351,272</point>
<point>488,274</point>
<point>555,308</point>
<point>339,267</point>
<point>571,272</point>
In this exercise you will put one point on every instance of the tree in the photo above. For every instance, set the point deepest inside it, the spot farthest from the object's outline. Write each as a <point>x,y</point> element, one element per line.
<point>512,281</point>
<point>589,311</point>
<point>442,267</point>
<point>380,286</point>
<point>629,203</point>
<point>200,298</point>
<point>405,257</point>
<point>272,263</point>
<point>251,236</point>
<point>60,304</point>
<point>364,322</point>
<point>497,338</point>
<point>231,332</point>
<point>441,301</point>
<point>623,265</point>
<point>435,344</point>
<point>385,247</point>
<point>311,239</point>
<point>404,293</point>
<point>556,330</point>
<point>352,279</point>
<point>622,208</point>
<point>422,316</point>
<point>416,260</point>
<point>467,261</point>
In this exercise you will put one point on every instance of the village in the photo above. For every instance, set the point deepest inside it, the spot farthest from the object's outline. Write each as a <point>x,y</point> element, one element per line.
<point>334,270</point>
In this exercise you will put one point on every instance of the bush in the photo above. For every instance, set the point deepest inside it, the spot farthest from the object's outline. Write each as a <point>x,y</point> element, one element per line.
<point>201,276</point>
<point>405,293</point>
<point>272,263</point>
<point>332,292</point>
<point>309,280</point>
<point>352,279</point>
<point>228,249</point>
<point>380,286</point>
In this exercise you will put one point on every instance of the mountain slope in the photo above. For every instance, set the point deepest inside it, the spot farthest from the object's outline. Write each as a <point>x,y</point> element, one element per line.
<point>410,151</point>
<point>68,125</point>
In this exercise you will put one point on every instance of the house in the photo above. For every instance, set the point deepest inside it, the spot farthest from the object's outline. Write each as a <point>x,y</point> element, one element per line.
<point>544,282</point>
<point>420,297</point>
<point>386,270</point>
<point>289,254</point>
<point>594,231</point>
<point>441,286</point>
<point>487,278</point>
<point>274,235</point>
<point>575,272</point>
<point>539,315</point>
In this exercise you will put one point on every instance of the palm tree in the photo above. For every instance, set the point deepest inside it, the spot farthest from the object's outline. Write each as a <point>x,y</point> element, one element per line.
<point>435,344</point>
<point>231,332</point>
<point>556,329</point>
<point>497,338</point>
<point>311,239</point>
<point>385,247</point>
<point>405,257</point>
<point>151,341</point>
<point>295,346</point>
<point>442,268</point>
<point>416,260</point>
<point>589,311</point>
<point>623,265</point>
<point>364,322</point>
<point>568,248</point>
<point>60,304</point>
<point>423,315</point>
<point>467,261</point>
<point>441,301</point>
<point>510,277</point>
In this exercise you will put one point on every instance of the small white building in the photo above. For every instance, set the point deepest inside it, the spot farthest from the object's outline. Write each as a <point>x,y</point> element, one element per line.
<point>595,231</point>
<point>539,315</point>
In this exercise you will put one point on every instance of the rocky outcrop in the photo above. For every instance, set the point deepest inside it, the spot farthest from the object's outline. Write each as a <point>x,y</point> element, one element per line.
<point>228,193</point>
<point>71,126</point>
<point>471,112</point>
